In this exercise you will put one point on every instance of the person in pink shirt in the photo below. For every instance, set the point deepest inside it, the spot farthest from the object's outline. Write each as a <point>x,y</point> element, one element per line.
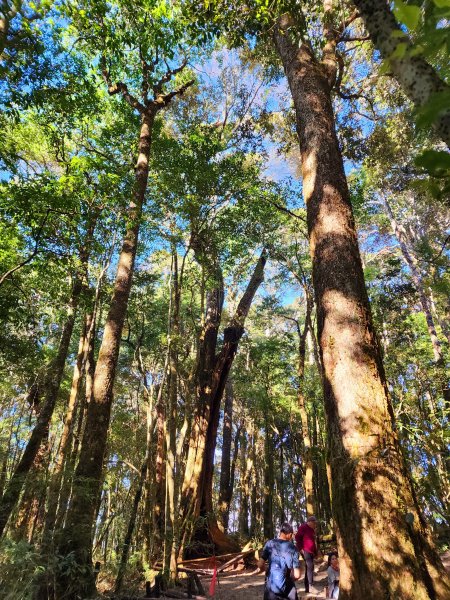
<point>305,539</point>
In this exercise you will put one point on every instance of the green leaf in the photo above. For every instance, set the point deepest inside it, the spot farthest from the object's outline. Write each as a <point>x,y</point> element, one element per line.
<point>407,14</point>
<point>400,50</point>
<point>430,111</point>
<point>436,162</point>
<point>442,3</point>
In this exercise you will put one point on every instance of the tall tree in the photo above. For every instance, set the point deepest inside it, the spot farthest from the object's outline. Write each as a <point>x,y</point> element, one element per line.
<point>76,537</point>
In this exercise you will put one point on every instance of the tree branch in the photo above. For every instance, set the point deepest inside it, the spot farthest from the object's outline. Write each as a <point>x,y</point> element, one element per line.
<point>158,86</point>
<point>162,100</point>
<point>119,88</point>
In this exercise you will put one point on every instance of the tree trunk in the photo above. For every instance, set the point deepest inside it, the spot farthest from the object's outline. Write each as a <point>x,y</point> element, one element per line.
<point>245,471</point>
<point>268,482</point>
<point>51,385</point>
<point>159,492</point>
<point>66,437</point>
<point>130,528</point>
<point>77,534</point>
<point>371,486</point>
<point>417,77</point>
<point>191,492</point>
<point>202,503</point>
<point>310,498</point>
<point>33,496</point>
<point>171,530</point>
<point>226,490</point>
<point>255,517</point>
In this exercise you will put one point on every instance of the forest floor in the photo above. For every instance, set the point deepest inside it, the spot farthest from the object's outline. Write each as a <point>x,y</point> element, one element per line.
<point>249,585</point>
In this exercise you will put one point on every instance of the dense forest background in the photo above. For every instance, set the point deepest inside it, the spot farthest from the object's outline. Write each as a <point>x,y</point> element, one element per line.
<point>185,337</point>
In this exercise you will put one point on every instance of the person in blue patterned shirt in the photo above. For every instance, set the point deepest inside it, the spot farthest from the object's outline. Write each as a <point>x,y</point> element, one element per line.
<point>284,566</point>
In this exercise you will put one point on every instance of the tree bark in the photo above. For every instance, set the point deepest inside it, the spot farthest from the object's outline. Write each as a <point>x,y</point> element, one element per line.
<point>80,418</point>
<point>77,533</point>
<point>268,530</point>
<point>417,77</point>
<point>66,437</point>
<point>371,486</point>
<point>245,471</point>
<point>231,337</point>
<point>310,497</point>
<point>226,490</point>
<point>191,492</point>
<point>33,497</point>
<point>51,385</point>
<point>171,529</point>
<point>212,375</point>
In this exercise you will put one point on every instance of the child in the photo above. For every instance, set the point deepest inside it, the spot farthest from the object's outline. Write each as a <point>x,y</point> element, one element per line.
<point>333,576</point>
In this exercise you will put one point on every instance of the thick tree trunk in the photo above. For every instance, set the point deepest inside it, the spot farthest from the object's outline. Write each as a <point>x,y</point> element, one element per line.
<point>77,533</point>
<point>78,420</point>
<point>226,490</point>
<point>231,338</point>
<point>191,492</point>
<point>33,497</point>
<point>223,363</point>
<point>371,487</point>
<point>417,77</point>
<point>51,385</point>
<point>212,375</point>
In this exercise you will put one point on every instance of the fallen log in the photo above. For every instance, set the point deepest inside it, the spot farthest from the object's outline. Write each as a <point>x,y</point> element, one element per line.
<point>232,561</point>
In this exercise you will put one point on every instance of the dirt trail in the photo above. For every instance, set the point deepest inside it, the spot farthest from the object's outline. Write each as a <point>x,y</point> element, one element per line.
<point>250,586</point>
<point>247,585</point>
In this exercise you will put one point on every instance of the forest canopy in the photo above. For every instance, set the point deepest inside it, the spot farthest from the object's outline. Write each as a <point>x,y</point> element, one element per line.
<point>224,289</point>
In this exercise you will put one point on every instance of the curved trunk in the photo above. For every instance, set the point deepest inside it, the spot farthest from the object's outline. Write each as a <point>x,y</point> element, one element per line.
<point>371,486</point>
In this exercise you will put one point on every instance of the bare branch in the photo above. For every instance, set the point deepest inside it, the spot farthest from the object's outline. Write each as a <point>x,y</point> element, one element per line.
<point>158,86</point>
<point>354,38</point>
<point>286,210</point>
